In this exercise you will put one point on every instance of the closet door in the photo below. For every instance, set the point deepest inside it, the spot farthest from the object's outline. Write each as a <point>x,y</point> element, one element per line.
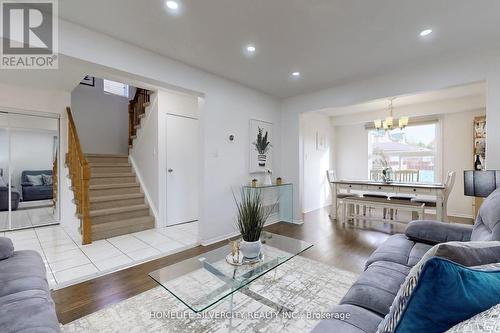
<point>5,195</point>
<point>182,169</point>
<point>34,145</point>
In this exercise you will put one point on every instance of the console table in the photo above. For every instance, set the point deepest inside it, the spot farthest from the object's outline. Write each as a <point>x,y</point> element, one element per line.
<point>282,193</point>
<point>367,186</point>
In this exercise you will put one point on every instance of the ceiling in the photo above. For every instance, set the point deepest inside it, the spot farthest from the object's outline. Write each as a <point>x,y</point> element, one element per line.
<point>328,41</point>
<point>470,90</point>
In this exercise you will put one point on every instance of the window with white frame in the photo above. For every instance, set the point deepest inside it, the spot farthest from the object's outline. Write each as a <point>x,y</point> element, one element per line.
<point>411,153</point>
<point>116,88</point>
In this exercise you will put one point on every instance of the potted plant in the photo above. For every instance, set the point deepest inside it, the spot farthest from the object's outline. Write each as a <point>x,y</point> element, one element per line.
<point>262,146</point>
<point>252,215</point>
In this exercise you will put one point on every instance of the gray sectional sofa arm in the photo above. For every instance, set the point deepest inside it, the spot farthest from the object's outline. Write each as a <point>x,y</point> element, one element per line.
<point>6,248</point>
<point>434,232</point>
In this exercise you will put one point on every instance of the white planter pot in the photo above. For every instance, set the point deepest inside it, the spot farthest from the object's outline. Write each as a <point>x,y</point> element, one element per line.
<point>250,249</point>
<point>262,158</point>
<point>267,179</point>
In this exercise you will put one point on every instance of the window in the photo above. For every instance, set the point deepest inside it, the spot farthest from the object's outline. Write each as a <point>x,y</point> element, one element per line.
<point>410,153</point>
<point>116,88</point>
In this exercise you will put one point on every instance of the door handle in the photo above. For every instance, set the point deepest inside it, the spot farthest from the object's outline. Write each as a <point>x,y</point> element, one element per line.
<point>170,170</point>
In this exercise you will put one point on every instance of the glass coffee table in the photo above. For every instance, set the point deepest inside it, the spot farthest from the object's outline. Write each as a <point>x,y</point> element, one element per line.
<point>203,281</point>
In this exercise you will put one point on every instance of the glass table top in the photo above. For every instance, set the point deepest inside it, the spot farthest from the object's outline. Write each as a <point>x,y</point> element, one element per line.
<point>202,281</point>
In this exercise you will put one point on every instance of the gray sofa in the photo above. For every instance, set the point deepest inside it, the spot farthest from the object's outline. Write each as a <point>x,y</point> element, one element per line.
<point>25,302</point>
<point>370,297</point>
<point>35,192</point>
<point>4,196</point>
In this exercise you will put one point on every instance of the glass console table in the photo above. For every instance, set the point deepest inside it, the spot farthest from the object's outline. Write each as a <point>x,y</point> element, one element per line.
<point>283,194</point>
<point>202,281</point>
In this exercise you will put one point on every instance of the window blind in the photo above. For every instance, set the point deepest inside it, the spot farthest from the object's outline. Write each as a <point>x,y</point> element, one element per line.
<point>116,88</point>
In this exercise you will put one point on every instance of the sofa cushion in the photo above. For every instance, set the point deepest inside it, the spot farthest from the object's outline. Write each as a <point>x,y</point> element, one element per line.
<point>434,232</point>
<point>469,253</point>
<point>24,270</point>
<point>6,248</point>
<point>29,311</point>
<point>486,321</point>
<point>376,287</point>
<point>464,253</point>
<point>399,249</point>
<point>35,180</point>
<point>47,179</point>
<point>358,320</point>
<point>457,293</point>
<point>487,226</point>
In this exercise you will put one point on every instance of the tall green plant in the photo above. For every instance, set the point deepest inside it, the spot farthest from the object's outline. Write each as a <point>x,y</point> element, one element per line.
<point>251,215</point>
<point>262,145</point>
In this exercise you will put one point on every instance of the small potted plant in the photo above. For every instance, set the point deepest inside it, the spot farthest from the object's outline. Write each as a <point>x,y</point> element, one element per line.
<point>250,220</point>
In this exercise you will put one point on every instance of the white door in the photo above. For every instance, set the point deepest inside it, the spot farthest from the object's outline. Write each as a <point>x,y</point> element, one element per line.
<point>182,169</point>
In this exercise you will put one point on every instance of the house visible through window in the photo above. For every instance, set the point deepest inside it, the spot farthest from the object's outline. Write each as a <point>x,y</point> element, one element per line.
<point>410,153</point>
<point>116,88</point>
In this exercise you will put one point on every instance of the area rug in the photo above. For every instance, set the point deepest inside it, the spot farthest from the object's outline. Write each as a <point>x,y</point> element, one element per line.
<point>308,287</point>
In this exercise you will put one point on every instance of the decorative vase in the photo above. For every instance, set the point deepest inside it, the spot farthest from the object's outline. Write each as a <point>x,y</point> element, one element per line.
<point>262,158</point>
<point>267,179</point>
<point>250,250</point>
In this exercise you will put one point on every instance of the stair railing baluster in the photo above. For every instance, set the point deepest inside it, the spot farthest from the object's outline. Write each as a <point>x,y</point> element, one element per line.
<point>79,172</point>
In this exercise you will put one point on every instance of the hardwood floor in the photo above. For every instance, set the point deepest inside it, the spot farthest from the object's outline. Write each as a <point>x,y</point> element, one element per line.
<point>343,247</point>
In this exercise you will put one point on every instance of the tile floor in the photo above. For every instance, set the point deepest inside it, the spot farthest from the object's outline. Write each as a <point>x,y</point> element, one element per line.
<point>69,262</point>
<point>27,217</point>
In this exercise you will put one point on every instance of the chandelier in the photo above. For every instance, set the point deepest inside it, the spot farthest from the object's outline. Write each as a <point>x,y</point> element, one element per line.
<point>388,123</point>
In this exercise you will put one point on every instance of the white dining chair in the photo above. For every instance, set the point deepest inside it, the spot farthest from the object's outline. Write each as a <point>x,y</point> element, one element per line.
<point>431,202</point>
<point>330,175</point>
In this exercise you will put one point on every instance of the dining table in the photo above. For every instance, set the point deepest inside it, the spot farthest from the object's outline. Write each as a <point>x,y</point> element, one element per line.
<point>434,190</point>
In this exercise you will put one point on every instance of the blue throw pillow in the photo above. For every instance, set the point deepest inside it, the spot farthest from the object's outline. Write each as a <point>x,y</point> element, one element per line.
<point>447,294</point>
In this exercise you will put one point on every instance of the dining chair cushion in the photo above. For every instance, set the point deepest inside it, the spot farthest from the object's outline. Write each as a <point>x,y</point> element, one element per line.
<point>428,202</point>
<point>402,197</point>
<point>375,195</point>
<point>346,195</point>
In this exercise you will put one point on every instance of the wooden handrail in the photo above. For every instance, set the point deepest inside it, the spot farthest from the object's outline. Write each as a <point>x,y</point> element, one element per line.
<point>55,182</point>
<point>136,108</point>
<point>79,172</point>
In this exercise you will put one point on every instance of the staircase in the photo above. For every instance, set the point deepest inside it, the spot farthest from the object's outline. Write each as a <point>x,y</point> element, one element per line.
<point>136,112</point>
<point>116,204</point>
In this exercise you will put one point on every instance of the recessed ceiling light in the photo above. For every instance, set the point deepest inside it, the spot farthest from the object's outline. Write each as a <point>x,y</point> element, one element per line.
<point>251,48</point>
<point>172,5</point>
<point>425,32</point>
<point>296,74</point>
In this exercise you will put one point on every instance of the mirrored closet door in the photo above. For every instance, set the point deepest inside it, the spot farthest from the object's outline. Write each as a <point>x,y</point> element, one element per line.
<point>29,159</point>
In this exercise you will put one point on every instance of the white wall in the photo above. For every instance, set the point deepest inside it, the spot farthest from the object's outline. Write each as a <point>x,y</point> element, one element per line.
<point>316,162</point>
<point>418,78</point>
<point>351,158</point>
<point>144,155</point>
<point>101,119</point>
<point>226,109</point>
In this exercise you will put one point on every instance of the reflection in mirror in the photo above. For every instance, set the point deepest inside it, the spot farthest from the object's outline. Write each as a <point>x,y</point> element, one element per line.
<point>5,196</point>
<point>33,170</point>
